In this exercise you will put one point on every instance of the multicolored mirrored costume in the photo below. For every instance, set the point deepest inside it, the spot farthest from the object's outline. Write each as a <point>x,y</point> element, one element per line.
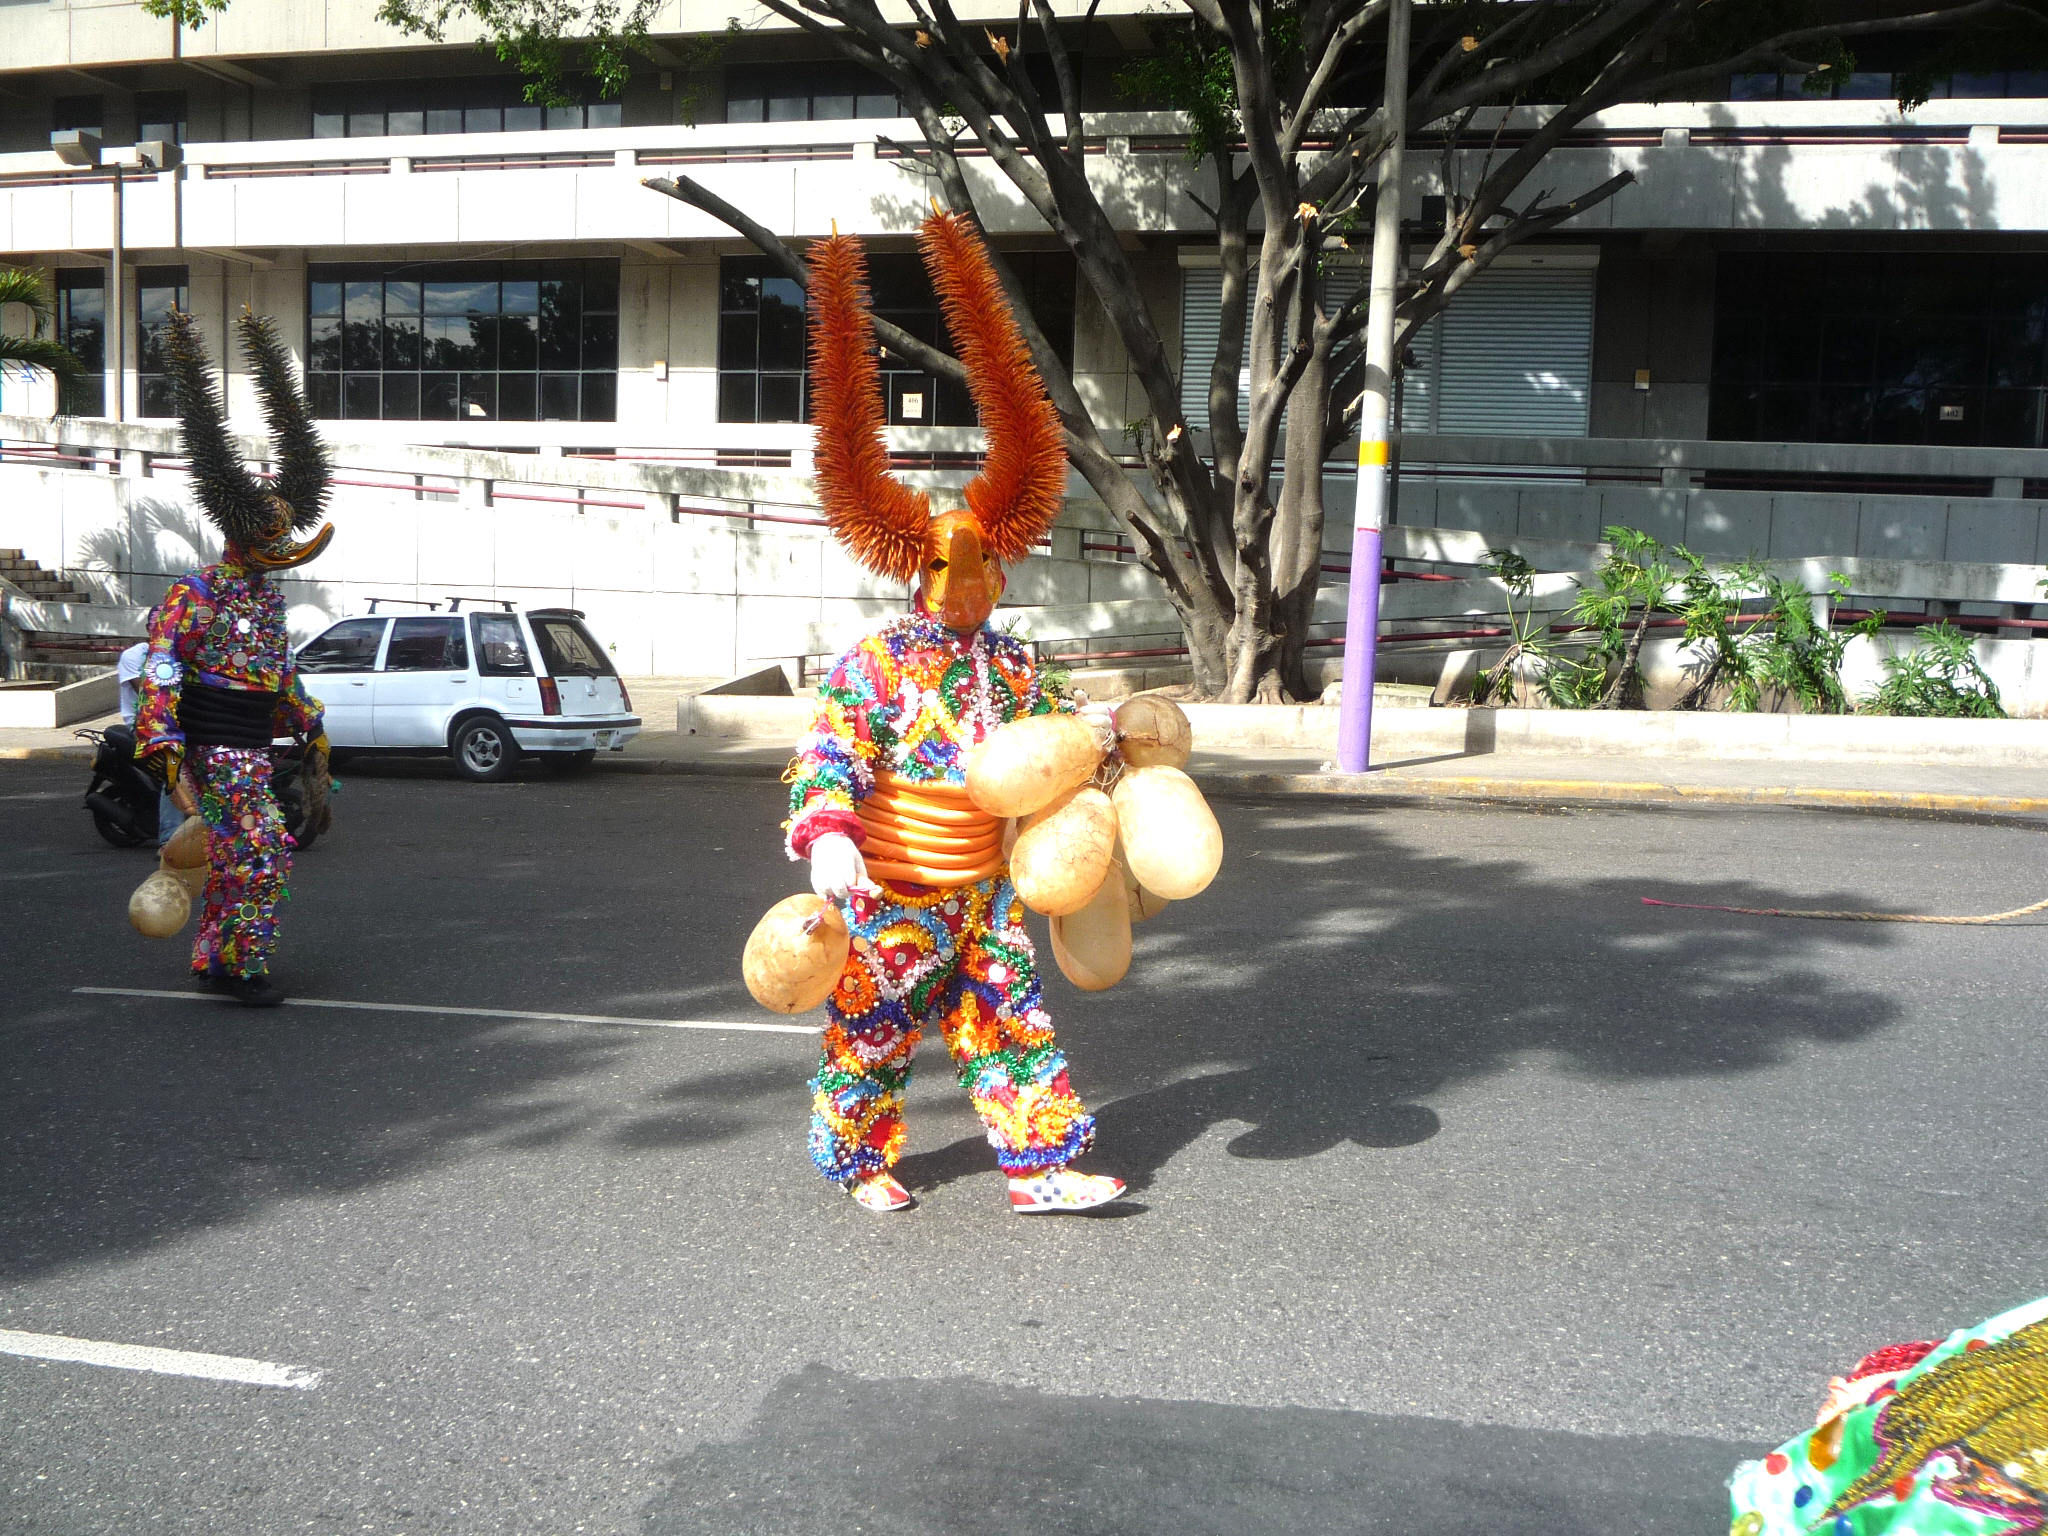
<point>907,701</point>
<point>219,666</point>
<point>1927,1439</point>
<point>218,683</point>
<point>943,943</point>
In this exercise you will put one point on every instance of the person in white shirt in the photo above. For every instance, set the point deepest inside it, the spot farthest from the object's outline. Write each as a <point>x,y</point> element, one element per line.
<point>128,672</point>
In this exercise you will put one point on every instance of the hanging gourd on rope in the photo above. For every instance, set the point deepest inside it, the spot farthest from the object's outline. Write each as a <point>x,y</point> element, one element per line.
<point>1097,835</point>
<point>162,904</point>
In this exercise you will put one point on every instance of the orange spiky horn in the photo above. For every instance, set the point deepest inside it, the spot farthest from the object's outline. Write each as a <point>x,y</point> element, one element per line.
<point>882,522</point>
<point>1024,473</point>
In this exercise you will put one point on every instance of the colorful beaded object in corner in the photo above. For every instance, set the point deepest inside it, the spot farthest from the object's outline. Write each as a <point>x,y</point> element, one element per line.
<point>1947,1439</point>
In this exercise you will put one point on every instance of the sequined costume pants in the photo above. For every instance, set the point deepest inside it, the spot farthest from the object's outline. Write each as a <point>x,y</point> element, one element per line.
<point>959,957</point>
<point>248,859</point>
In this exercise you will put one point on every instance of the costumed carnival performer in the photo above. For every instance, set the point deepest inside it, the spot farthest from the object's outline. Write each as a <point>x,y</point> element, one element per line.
<point>1943,1437</point>
<point>878,803</point>
<point>219,683</point>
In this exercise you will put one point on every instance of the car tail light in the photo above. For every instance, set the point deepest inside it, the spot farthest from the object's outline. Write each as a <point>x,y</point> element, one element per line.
<point>550,697</point>
<point>625,698</point>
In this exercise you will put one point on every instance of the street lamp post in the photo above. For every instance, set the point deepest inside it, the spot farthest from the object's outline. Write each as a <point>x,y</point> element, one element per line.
<point>1375,423</point>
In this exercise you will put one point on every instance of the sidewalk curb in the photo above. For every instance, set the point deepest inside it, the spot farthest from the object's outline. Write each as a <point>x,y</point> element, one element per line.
<point>1235,784</point>
<point>1239,784</point>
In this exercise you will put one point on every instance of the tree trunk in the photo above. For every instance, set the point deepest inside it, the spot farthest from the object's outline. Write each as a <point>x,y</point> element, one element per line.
<point>1297,540</point>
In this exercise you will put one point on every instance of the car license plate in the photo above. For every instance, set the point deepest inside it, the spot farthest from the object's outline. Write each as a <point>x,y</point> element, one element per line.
<point>605,740</point>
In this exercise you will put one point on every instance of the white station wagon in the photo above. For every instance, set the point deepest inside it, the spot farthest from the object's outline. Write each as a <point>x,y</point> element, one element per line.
<point>485,687</point>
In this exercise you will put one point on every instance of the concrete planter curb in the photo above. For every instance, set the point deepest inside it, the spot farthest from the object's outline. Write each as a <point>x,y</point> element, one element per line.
<point>46,706</point>
<point>1311,730</point>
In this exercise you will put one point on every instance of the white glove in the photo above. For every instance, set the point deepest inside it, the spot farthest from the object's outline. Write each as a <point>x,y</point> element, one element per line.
<point>837,868</point>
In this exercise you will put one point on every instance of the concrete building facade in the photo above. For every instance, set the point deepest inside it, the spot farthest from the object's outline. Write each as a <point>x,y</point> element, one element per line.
<point>1861,293</point>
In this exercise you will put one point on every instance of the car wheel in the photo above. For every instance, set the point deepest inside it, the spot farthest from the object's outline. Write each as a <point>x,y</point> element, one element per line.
<point>564,763</point>
<point>483,749</point>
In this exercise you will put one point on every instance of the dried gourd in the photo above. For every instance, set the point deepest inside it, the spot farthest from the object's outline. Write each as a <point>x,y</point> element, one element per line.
<point>1143,903</point>
<point>160,906</point>
<point>1152,730</point>
<point>795,954</point>
<point>1092,947</point>
<point>1169,833</point>
<point>1026,765</point>
<point>1062,853</point>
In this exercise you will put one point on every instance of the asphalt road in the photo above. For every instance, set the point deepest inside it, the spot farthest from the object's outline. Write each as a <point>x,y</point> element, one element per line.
<point>1472,1195</point>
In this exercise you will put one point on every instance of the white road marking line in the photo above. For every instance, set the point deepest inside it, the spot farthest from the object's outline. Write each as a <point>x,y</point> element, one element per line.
<point>165,1362</point>
<point>748,1026</point>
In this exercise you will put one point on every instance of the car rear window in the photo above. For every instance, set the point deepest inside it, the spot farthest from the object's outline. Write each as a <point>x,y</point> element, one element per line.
<point>567,648</point>
<point>500,647</point>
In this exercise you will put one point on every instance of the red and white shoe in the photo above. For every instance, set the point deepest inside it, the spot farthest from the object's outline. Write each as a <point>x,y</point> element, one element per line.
<point>1060,1190</point>
<point>880,1192</point>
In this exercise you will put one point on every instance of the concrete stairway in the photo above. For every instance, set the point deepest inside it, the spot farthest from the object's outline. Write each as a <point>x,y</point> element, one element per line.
<point>36,582</point>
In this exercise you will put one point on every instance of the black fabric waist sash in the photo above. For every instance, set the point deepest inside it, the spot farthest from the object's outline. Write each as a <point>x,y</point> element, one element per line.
<point>226,717</point>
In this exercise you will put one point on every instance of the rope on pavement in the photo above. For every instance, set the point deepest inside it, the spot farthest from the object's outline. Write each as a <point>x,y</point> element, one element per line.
<point>1854,917</point>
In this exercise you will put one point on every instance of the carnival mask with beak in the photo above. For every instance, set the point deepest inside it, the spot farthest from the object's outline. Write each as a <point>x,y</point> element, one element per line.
<point>956,559</point>
<point>260,522</point>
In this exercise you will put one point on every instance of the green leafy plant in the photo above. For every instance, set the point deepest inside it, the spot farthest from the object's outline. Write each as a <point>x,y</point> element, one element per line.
<point>1531,644</point>
<point>1940,677</point>
<point>35,351</point>
<point>1786,649</point>
<point>1634,582</point>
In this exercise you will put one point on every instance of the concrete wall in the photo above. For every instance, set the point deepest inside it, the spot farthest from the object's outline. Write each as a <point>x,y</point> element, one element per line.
<point>697,597</point>
<point>1734,524</point>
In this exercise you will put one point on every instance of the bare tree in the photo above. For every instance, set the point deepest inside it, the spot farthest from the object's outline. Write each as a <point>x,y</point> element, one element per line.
<point>1293,131</point>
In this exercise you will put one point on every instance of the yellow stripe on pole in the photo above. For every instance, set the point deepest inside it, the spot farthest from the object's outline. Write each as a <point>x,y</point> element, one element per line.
<point>1370,453</point>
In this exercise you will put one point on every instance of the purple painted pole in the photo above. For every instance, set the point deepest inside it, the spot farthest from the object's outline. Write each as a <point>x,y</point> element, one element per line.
<point>1361,646</point>
<point>1375,423</point>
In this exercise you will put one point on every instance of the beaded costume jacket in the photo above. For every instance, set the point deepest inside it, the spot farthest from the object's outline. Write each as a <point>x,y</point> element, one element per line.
<point>221,629</point>
<point>910,699</point>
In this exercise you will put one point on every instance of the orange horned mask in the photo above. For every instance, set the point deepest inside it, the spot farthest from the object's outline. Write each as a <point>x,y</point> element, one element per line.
<point>956,558</point>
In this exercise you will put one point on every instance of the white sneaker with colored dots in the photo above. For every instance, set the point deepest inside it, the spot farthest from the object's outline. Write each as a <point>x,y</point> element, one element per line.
<point>1060,1190</point>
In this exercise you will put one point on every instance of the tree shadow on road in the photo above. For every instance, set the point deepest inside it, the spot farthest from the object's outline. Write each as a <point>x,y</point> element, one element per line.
<point>1348,974</point>
<point>1348,980</point>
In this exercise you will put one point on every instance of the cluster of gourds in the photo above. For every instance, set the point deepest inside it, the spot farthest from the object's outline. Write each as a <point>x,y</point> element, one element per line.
<point>1100,836</point>
<point>162,904</point>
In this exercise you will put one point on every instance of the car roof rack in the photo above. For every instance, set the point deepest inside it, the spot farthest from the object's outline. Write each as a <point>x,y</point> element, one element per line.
<point>415,602</point>
<point>455,603</point>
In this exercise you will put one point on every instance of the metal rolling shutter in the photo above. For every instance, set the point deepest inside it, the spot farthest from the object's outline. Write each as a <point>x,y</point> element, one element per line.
<point>1513,354</point>
<point>1517,354</point>
<point>1201,329</point>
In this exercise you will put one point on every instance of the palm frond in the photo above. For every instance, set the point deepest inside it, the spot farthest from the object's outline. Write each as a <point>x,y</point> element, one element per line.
<point>303,467</point>
<point>21,286</point>
<point>29,353</point>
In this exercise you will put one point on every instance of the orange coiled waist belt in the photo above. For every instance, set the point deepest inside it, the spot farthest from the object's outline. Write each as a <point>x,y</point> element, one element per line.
<point>928,834</point>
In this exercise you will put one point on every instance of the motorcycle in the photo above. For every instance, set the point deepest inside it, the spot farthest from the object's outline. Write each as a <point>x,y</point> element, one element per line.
<point>123,799</point>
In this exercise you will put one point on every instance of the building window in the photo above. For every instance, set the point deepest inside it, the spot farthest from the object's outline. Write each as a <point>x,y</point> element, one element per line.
<point>78,112</point>
<point>158,291</point>
<point>487,104</point>
<point>468,341</point>
<point>762,344</point>
<point>160,115</point>
<point>1880,347</point>
<point>82,326</point>
<point>802,93</point>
